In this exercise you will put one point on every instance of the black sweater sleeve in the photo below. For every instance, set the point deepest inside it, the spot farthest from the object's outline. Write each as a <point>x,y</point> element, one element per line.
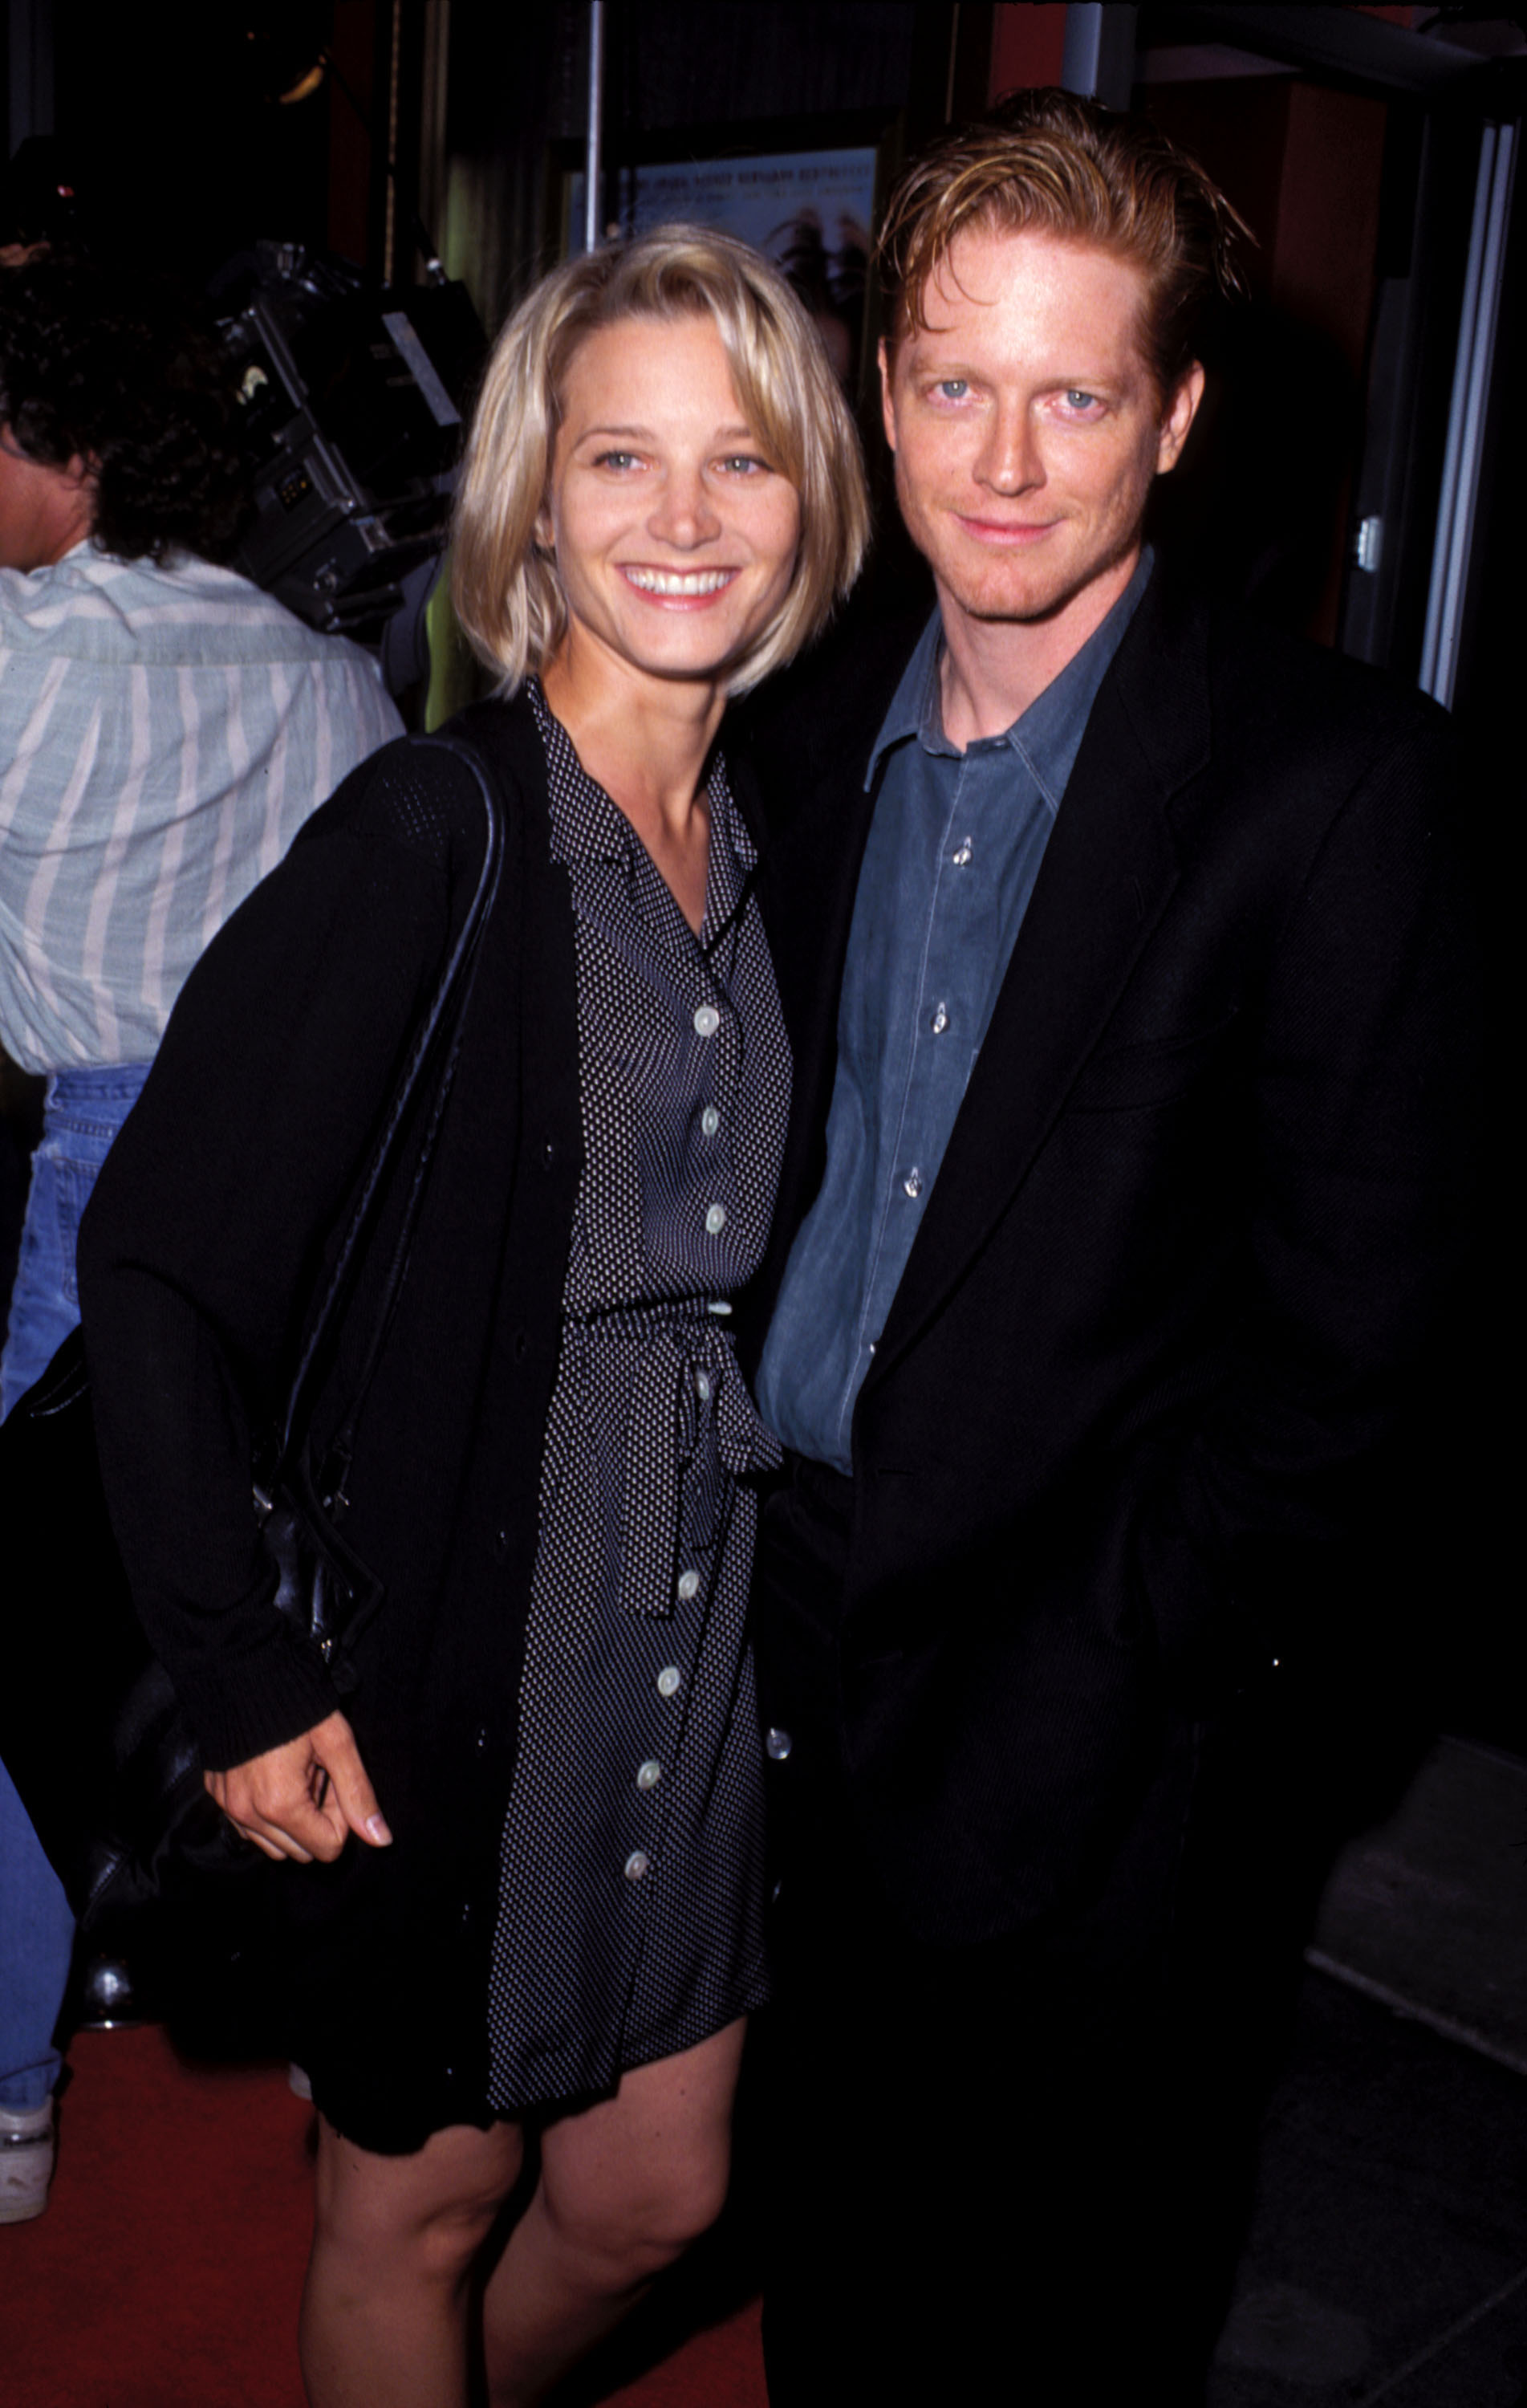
<point>201,1245</point>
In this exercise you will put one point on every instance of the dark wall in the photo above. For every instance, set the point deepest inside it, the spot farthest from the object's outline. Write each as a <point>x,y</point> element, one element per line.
<point>1262,500</point>
<point>518,99</point>
<point>172,116</point>
<point>1477,1614</point>
<point>688,62</point>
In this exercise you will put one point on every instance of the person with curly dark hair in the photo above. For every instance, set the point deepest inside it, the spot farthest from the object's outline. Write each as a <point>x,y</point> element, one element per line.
<point>166,728</point>
<point>115,374</point>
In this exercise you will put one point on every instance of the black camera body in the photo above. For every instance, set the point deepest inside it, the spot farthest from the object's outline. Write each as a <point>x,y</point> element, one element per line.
<point>352,401</point>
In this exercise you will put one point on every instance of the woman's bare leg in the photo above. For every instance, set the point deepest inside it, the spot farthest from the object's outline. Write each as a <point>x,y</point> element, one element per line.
<point>384,2311</point>
<point>625,2185</point>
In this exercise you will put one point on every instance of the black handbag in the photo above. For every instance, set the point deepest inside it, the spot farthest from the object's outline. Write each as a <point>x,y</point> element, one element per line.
<point>89,1728</point>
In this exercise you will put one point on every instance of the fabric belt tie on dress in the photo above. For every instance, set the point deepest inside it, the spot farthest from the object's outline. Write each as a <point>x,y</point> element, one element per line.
<point>676,1364</point>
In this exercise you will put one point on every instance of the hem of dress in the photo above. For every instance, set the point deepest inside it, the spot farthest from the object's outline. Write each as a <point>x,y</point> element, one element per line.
<point>557,2083</point>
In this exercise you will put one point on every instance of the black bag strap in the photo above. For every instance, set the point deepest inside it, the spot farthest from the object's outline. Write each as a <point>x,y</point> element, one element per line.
<point>447,1013</point>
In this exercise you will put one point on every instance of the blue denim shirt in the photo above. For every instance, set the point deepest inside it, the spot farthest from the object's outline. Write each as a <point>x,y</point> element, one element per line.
<point>953,854</point>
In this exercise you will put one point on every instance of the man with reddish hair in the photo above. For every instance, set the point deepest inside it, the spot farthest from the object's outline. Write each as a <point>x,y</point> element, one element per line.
<point>1123,952</point>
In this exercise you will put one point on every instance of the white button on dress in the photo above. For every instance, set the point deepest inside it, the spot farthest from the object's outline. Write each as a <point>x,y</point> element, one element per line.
<point>706,1020</point>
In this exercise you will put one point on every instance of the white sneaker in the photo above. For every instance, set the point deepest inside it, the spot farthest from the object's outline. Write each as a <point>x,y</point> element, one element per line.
<point>27,2162</point>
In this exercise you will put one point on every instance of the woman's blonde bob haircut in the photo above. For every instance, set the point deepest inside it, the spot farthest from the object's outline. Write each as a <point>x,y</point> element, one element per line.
<point>507,590</point>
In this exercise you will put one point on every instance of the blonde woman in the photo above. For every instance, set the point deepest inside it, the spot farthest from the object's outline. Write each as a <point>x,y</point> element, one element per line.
<point>519,1861</point>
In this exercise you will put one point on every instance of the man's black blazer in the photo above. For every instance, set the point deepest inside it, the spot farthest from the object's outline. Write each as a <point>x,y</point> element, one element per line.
<point>1132,1423</point>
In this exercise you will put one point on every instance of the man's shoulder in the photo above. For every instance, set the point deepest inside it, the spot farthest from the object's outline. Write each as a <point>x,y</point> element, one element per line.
<point>1268,695</point>
<point>31,599</point>
<point>1258,746</point>
<point>1201,678</point>
<point>177,612</point>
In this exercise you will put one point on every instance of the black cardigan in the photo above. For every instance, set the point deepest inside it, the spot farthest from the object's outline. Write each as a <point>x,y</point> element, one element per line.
<point>203,1242</point>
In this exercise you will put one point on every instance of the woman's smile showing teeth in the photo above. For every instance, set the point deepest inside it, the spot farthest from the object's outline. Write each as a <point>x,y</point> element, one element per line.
<point>680,584</point>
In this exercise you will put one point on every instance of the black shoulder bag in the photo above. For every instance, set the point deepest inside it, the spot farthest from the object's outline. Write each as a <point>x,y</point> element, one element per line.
<point>89,1728</point>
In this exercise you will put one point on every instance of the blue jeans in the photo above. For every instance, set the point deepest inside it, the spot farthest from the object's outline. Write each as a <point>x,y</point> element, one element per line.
<point>83,1111</point>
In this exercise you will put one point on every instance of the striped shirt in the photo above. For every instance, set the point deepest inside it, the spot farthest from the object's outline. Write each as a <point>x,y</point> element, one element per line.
<point>163,733</point>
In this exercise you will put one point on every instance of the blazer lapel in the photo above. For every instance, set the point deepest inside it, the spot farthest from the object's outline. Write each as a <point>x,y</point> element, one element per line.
<point>1106,878</point>
<point>803,795</point>
<point>812,889</point>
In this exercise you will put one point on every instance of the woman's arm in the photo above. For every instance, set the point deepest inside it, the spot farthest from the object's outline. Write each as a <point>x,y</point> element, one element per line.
<point>204,1237</point>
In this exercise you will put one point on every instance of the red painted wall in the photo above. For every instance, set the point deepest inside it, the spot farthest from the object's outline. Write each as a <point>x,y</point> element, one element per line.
<point>1027,43</point>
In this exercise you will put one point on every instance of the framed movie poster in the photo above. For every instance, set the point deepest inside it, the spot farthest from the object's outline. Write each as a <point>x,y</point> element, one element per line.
<point>811,211</point>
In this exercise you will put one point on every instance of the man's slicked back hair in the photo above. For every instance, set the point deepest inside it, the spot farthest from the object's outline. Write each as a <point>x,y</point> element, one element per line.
<point>1045,161</point>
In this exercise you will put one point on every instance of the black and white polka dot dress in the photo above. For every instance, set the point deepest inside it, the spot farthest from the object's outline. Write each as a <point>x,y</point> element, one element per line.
<point>629,1920</point>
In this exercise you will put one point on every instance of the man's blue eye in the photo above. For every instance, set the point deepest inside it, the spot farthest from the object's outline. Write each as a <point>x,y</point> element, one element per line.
<point>955,388</point>
<point>1077,400</point>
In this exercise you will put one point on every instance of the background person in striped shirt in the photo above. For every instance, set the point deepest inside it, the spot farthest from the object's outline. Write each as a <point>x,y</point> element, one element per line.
<point>166,728</point>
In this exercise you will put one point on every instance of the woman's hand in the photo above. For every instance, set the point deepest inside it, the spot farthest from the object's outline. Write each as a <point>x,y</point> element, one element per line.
<point>304,1800</point>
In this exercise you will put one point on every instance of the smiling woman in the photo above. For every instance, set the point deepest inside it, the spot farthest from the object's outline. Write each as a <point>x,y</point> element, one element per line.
<point>662,500</point>
<point>518,1873</point>
<point>675,533</point>
<point>786,411</point>
<point>675,539</point>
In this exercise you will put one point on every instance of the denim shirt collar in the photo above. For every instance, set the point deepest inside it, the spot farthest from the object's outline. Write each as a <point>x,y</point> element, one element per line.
<point>1047,736</point>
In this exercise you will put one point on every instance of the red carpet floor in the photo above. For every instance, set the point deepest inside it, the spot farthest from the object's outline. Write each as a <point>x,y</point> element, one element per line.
<point>167,2269</point>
